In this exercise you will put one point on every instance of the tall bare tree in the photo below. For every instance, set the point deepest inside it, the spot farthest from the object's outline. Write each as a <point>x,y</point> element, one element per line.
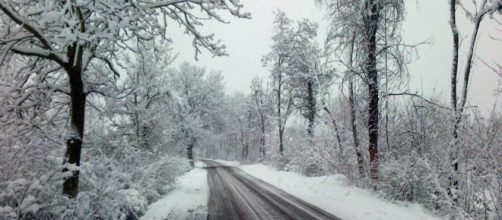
<point>353,116</point>
<point>358,25</point>
<point>277,58</point>
<point>260,103</point>
<point>482,8</point>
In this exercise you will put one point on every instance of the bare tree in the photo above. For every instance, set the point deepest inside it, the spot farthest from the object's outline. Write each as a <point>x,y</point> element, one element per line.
<point>485,7</point>
<point>260,103</point>
<point>353,116</point>
<point>370,28</point>
<point>277,58</point>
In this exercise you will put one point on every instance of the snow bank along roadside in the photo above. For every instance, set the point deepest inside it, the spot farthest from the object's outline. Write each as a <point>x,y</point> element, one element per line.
<point>336,195</point>
<point>188,200</point>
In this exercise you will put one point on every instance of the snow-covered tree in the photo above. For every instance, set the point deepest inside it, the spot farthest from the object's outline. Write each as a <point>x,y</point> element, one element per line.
<point>137,110</point>
<point>239,127</point>
<point>199,97</point>
<point>304,71</point>
<point>294,60</point>
<point>68,35</point>
<point>260,103</point>
<point>371,28</point>
<point>283,101</point>
<point>481,10</point>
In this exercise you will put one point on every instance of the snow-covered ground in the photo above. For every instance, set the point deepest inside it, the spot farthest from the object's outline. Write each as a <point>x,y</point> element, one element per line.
<point>336,195</point>
<point>187,201</point>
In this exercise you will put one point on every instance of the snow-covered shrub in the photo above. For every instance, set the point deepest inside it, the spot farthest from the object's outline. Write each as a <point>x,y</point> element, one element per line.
<point>158,178</point>
<point>408,179</point>
<point>107,192</point>
<point>118,178</point>
<point>418,167</point>
<point>309,157</point>
<point>26,198</point>
<point>416,149</point>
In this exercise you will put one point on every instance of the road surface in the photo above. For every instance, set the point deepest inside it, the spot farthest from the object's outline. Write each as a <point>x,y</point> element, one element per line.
<point>238,195</point>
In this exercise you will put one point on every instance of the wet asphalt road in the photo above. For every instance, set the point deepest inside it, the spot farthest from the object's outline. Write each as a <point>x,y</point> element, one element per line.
<point>237,195</point>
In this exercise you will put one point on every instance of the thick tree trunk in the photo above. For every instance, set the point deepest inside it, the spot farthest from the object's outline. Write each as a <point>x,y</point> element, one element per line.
<point>311,109</point>
<point>373,131</point>
<point>74,143</point>
<point>371,21</point>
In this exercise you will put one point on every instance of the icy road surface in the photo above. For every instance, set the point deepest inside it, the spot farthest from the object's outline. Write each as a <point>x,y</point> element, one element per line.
<point>235,194</point>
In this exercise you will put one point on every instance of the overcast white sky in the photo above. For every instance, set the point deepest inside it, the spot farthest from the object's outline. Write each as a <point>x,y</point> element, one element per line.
<point>248,40</point>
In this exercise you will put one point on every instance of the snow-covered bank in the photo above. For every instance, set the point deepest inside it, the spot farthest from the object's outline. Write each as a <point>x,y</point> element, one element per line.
<point>187,201</point>
<point>335,195</point>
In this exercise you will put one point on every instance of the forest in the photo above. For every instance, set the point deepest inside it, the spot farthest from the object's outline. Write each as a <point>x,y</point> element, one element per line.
<point>99,115</point>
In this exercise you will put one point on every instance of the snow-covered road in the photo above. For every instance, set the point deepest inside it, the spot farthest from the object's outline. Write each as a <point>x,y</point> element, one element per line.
<point>238,195</point>
<point>223,190</point>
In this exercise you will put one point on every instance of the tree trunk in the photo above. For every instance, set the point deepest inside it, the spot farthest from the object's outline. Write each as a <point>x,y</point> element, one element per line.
<point>262,137</point>
<point>337,133</point>
<point>454,72</point>
<point>371,21</point>
<point>190,154</point>
<point>458,108</point>
<point>353,116</point>
<point>353,123</point>
<point>281,143</point>
<point>373,123</point>
<point>245,150</point>
<point>74,143</point>
<point>259,97</point>
<point>244,142</point>
<point>262,147</point>
<point>454,68</point>
<point>311,109</point>
<point>279,116</point>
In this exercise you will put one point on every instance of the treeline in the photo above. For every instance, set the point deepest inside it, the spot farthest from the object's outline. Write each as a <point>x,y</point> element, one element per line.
<point>345,108</point>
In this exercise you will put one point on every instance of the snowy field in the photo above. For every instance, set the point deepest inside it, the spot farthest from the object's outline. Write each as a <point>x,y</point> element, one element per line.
<point>187,201</point>
<point>337,196</point>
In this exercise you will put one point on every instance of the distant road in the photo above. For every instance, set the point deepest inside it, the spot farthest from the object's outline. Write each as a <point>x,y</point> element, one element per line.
<point>238,195</point>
